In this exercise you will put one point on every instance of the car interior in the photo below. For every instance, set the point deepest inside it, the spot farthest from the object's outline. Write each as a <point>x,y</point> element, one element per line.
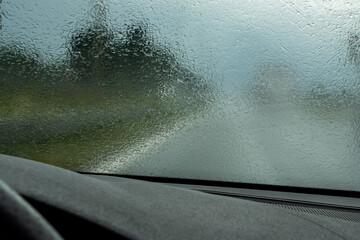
<point>40,201</point>
<point>197,119</point>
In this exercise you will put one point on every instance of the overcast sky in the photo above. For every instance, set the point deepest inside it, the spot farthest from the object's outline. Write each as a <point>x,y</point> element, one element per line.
<point>227,39</point>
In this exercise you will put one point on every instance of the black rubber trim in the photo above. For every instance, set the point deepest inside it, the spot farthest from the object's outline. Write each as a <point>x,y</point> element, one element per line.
<point>318,191</point>
<point>282,201</point>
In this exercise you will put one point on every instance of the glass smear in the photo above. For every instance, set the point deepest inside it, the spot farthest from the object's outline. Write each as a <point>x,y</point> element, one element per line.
<point>257,91</point>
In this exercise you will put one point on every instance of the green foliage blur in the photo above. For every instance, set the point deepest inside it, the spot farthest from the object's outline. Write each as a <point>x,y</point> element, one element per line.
<point>109,91</point>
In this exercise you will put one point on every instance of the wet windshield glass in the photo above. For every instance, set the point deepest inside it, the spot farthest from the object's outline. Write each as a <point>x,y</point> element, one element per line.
<point>253,91</point>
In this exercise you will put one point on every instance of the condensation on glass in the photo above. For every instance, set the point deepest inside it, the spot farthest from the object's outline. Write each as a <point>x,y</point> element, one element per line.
<point>242,91</point>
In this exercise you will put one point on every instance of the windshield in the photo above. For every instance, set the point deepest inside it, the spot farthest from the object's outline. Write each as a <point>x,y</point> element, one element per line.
<point>253,91</point>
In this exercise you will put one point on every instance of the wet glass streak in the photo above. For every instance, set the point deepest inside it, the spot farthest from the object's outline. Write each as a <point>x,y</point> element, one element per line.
<point>257,91</point>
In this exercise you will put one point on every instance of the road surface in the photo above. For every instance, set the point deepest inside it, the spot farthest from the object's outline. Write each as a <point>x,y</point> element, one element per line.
<point>237,141</point>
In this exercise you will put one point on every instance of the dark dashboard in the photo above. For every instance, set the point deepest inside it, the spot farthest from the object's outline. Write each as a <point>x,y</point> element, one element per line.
<point>81,206</point>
